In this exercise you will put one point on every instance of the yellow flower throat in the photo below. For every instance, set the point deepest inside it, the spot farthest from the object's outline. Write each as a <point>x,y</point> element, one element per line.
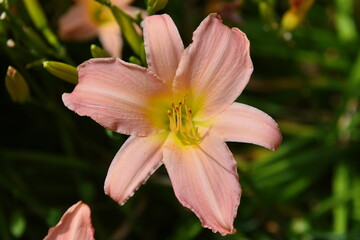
<point>181,123</point>
<point>99,13</point>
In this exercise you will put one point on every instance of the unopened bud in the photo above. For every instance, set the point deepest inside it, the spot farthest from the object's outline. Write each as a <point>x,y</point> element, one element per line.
<point>16,86</point>
<point>155,5</point>
<point>98,52</point>
<point>61,70</point>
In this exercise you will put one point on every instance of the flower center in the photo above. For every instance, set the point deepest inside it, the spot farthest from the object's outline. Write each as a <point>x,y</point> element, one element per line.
<point>99,13</point>
<point>181,123</point>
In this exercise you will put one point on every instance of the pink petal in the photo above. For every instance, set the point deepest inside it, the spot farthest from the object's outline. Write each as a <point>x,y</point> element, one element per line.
<point>205,180</point>
<point>111,39</point>
<point>122,3</point>
<point>243,123</point>
<point>75,24</point>
<point>163,46</point>
<point>116,95</point>
<point>215,68</point>
<point>75,224</point>
<point>137,159</point>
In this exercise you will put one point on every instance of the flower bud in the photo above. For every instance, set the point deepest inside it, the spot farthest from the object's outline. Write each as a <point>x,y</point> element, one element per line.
<point>62,70</point>
<point>16,86</point>
<point>155,5</point>
<point>98,52</point>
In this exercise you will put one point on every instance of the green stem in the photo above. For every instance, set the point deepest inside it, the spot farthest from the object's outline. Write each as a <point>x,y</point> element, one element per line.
<point>126,24</point>
<point>340,187</point>
<point>344,20</point>
<point>356,184</point>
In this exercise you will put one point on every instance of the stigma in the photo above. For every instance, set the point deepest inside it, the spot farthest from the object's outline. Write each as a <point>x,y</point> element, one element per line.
<point>181,123</point>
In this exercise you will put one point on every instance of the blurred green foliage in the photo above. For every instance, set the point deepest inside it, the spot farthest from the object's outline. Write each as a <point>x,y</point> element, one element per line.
<point>307,79</point>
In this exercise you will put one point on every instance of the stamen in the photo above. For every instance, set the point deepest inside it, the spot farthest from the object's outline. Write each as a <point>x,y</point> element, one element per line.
<point>181,123</point>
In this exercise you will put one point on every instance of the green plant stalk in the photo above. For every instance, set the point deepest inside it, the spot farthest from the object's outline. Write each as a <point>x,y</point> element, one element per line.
<point>128,29</point>
<point>39,19</point>
<point>356,184</point>
<point>38,43</point>
<point>344,20</point>
<point>341,184</point>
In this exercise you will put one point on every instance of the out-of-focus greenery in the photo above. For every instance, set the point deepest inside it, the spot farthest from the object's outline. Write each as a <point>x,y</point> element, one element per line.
<point>307,79</point>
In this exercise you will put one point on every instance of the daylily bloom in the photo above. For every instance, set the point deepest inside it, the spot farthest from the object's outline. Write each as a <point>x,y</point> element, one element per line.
<point>88,19</point>
<point>75,224</point>
<point>179,112</point>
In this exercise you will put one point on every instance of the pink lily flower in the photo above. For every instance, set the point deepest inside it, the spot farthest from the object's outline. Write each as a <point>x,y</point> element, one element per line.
<point>88,19</point>
<point>75,224</point>
<point>179,112</point>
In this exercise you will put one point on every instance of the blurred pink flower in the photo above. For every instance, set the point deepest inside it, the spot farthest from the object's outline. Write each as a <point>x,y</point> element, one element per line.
<point>88,19</point>
<point>179,111</point>
<point>75,224</point>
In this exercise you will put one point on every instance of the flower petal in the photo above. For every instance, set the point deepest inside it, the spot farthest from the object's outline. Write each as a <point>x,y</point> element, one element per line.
<point>163,46</point>
<point>205,180</point>
<point>215,68</point>
<point>137,159</point>
<point>75,24</point>
<point>116,95</point>
<point>243,123</point>
<point>74,224</point>
<point>111,39</point>
<point>122,3</point>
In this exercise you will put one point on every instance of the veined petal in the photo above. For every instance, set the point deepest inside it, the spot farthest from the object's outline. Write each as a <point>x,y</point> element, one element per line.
<point>111,39</point>
<point>75,224</point>
<point>163,46</point>
<point>75,24</point>
<point>243,123</point>
<point>215,68</point>
<point>137,159</point>
<point>205,180</point>
<point>116,95</point>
